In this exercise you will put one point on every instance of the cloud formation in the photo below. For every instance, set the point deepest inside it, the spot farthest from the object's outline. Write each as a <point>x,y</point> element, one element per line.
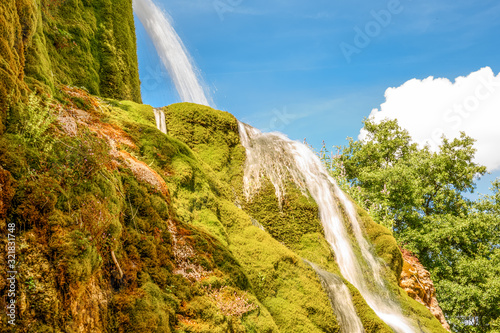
<point>432,107</point>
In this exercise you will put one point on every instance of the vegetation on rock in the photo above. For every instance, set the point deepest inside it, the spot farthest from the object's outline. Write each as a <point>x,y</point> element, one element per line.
<point>45,43</point>
<point>104,250</point>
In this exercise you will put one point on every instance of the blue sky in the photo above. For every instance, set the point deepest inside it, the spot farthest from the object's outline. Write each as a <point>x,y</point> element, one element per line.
<point>279,65</point>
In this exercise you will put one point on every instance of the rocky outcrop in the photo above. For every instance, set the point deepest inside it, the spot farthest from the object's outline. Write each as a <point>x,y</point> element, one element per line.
<point>17,24</point>
<point>87,44</point>
<point>417,283</point>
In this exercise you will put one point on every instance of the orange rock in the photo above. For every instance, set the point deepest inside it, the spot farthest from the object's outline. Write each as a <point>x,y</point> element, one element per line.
<point>115,136</point>
<point>143,172</point>
<point>417,283</point>
<point>113,132</point>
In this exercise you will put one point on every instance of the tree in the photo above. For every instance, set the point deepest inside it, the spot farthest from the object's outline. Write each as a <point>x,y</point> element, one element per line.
<point>388,169</point>
<point>463,254</point>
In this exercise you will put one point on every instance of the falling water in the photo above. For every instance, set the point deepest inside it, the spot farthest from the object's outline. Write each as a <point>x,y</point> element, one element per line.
<point>281,159</point>
<point>171,51</point>
<point>341,301</point>
<point>161,124</point>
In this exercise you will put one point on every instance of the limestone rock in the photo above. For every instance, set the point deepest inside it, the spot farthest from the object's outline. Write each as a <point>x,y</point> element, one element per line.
<point>417,283</point>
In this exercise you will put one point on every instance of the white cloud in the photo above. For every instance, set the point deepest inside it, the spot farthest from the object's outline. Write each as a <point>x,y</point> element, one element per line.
<point>432,107</point>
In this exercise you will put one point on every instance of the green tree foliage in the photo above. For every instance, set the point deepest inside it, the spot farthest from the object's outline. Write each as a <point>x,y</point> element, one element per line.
<point>421,195</point>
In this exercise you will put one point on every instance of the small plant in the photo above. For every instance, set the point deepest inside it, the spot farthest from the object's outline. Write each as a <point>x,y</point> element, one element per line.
<point>63,39</point>
<point>230,304</point>
<point>30,283</point>
<point>35,120</point>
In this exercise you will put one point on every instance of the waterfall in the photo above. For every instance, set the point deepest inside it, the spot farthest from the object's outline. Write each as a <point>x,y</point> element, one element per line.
<point>171,51</point>
<point>161,124</point>
<point>281,159</point>
<point>341,300</point>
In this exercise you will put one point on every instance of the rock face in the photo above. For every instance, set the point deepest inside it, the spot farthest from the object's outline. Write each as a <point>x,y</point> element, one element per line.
<point>417,283</point>
<point>17,25</point>
<point>80,43</point>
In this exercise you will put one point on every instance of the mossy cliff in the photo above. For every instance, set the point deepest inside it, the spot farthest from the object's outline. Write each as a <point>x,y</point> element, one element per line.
<point>45,43</point>
<point>121,228</point>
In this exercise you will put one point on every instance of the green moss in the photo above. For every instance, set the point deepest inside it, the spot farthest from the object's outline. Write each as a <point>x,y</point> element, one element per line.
<point>38,68</point>
<point>297,216</point>
<point>150,312</point>
<point>315,248</point>
<point>137,113</point>
<point>73,42</point>
<point>259,320</point>
<point>81,257</point>
<point>386,246</point>
<point>208,221</point>
<point>420,315</point>
<point>17,25</point>
<point>211,134</point>
<point>38,283</point>
<point>290,291</point>
<point>371,322</point>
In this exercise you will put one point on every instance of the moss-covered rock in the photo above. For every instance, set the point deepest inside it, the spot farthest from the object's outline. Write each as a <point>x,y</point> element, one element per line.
<point>17,27</point>
<point>45,43</point>
<point>295,222</point>
<point>91,45</point>
<point>212,135</point>
<point>121,255</point>
<point>289,221</point>
<point>288,289</point>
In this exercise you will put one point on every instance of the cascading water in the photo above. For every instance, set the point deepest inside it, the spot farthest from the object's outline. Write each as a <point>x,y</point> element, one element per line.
<point>171,51</point>
<point>341,300</point>
<point>281,159</point>
<point>161,124</point>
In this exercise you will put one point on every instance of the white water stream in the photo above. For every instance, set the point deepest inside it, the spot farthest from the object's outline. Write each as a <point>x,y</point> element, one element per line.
<point>341,301</point>
<point>161,123</point>
<point>171,51</point>
<point>281,159</point>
